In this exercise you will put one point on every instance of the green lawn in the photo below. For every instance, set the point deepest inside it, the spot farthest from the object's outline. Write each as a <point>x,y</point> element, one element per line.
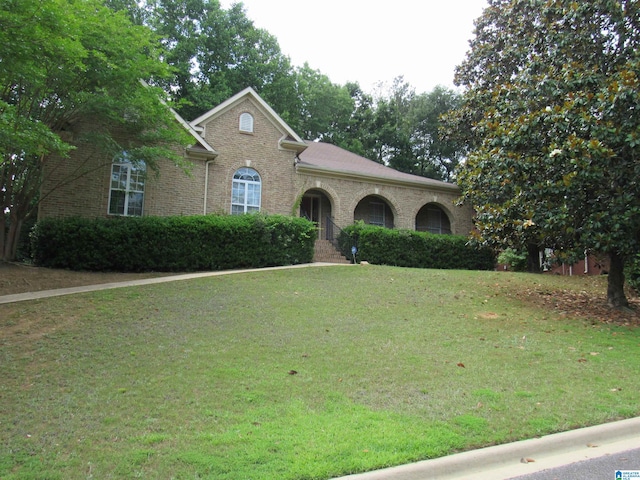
<point>299,374</point>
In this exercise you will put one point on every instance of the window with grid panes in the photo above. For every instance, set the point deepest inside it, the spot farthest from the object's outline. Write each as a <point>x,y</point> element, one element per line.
<point>245,191</point>
<point>126,192</point>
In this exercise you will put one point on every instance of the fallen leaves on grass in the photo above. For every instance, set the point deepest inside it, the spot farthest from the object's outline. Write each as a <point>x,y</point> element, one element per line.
<point>584,305</point>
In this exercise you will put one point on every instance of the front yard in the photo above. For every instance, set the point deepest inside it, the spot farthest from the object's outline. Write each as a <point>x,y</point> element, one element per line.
<point>304,374</point>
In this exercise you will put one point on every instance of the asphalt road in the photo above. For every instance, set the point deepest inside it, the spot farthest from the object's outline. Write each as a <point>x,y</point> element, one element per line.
<point>602,468</point>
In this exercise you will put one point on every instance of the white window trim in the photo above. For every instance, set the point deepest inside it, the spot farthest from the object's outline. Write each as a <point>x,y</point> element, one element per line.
<point>245,183</point>
<point>246,122</point>
<point>127,190</point>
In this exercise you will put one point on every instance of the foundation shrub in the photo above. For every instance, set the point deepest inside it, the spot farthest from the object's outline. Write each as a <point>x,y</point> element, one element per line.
<point>407,248</point>
<point>632,272</point>
<point>188,243</point>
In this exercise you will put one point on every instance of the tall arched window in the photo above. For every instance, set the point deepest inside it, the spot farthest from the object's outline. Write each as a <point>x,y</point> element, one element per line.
<point>245,191</point>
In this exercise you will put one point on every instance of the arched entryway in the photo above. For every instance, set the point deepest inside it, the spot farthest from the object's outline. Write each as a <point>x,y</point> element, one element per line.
<point>432,218</point>
<point>316,206</point>
<point>374,210</point>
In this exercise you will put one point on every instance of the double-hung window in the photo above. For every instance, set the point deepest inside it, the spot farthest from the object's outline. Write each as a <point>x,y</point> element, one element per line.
<point>245,191</point>
<point>126,192</point>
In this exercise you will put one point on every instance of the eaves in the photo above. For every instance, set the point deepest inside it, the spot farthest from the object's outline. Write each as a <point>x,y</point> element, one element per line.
<point>360,176</point>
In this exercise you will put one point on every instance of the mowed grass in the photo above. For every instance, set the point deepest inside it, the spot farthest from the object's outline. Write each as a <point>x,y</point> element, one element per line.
<point>305,373</point>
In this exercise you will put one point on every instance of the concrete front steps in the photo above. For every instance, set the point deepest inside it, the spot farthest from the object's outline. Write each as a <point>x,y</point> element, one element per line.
<point>327,253</point>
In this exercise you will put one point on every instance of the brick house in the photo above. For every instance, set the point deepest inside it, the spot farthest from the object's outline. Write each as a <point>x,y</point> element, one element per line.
<point>245,158</point>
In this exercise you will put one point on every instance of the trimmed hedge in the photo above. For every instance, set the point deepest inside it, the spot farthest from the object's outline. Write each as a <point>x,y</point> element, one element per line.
<point>191,243</point>
<point>407,248</point>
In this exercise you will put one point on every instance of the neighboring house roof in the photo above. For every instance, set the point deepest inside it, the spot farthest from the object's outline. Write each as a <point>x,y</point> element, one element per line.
<point>332,160</point>
<point>289,139</point>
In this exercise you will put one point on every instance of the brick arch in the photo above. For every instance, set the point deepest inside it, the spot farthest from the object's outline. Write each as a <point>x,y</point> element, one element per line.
<point>447,208</point>
<point>451,218</point>
<point>332,195</point>
<point>318,202</point>
<point>390,216</point>
<point>366,192</point>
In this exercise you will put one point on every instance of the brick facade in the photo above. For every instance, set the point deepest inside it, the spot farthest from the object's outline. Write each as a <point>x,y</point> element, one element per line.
<point>289,185</point>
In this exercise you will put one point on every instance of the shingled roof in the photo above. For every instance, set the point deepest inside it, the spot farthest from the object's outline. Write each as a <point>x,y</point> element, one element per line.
<point>327,159</point>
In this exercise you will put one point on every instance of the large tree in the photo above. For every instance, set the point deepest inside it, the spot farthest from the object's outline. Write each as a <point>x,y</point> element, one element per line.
<point>63,62</point>
<point>324,108</point>
<point>436,155</point>
<point>215,53</point>
<point>407,131</point>
<point>552,107</point>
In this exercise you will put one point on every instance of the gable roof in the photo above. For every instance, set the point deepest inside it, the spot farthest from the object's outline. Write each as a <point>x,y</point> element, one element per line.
<point>201,147</point>
<point>289,139</point>
<point>331,160</point>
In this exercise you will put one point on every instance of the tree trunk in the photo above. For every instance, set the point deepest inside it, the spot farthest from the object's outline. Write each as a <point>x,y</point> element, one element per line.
<point>533,258</point>
<point>11,234</point>
<point>3,233</point>
<point>615,288</point>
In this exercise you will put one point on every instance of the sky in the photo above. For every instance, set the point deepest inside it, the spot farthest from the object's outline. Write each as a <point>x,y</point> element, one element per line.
<point>370,42</point>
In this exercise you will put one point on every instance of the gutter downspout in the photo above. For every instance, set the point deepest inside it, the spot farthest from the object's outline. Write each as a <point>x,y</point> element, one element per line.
<point>206,185</point>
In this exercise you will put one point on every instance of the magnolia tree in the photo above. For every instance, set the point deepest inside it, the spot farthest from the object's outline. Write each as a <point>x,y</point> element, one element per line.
<point>552,113</point>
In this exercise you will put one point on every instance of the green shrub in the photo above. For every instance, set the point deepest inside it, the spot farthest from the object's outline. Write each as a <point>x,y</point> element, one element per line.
<point>136,244</point>
<point>632,272</point>
<point>407,248</point>
<point>515,260</point>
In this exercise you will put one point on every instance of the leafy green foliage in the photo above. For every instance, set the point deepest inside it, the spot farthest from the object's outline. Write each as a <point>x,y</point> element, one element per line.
<point>632,272</point>
<point>407,248</point>
<point>436,154</point>
<point>406,132</point>
<point>215,53</point>
<point>517,261</point>
<point>136,244</point>
<point>551,111</point>
<point>65,62</point>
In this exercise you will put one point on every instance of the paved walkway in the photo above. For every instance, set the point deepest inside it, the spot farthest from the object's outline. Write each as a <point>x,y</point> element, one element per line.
<point>20,297</point>
<point>562,456</point>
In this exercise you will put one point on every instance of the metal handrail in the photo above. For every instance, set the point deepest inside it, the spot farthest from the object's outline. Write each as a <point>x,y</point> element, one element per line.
<point>332,231</point>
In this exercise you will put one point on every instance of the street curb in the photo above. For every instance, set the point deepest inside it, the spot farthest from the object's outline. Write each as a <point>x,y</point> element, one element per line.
<point>510,460</point>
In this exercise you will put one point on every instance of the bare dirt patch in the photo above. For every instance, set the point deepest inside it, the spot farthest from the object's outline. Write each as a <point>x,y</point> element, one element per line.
<point>20,278</point>
<point>585,305</point>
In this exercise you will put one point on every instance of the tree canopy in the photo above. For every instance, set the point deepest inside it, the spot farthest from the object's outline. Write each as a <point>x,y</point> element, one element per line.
<point>552,112</point>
